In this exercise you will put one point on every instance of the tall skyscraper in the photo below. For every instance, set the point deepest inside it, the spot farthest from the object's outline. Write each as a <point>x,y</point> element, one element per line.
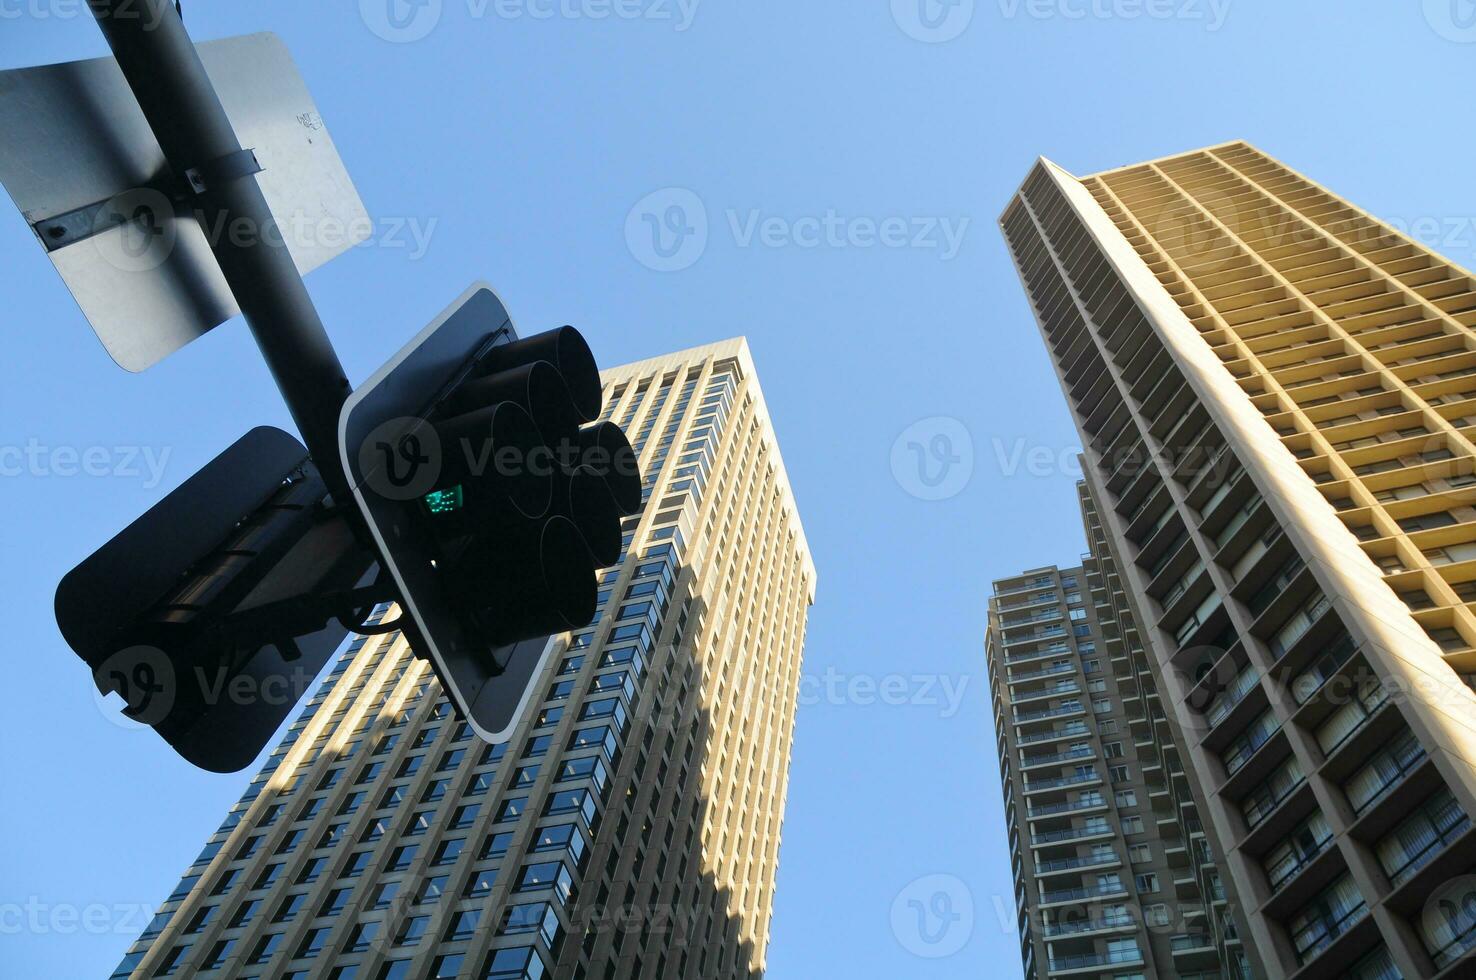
<point>630,828</point>
<point>1113,876</point>
<point>1277,398</point>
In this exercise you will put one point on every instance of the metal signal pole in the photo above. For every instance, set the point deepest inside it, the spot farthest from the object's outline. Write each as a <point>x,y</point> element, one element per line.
<point>160,63</point>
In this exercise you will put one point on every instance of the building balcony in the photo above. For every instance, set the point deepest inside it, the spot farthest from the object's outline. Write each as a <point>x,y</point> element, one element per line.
<point>1092,962</point>
<point>1070,731</point>
<point>1060,690</point>
<point>1045,616</point>
<point>1089,927</point>
<point>1073,834</point>
<point>1056,759</point>
<point>1074,806</point>
<point>1021,658</point>
<point>1036,675</point>
<point>1096,893</point>
<point>1193,952</point>
<point>1042,582</point>
<point>1314,941</point>
<point>1028,717</point>
<point>1232,696</point>
<point>1284,870</point>
<point>1062,782</point>
<point>1035,637</point>
<point>1046,868</point>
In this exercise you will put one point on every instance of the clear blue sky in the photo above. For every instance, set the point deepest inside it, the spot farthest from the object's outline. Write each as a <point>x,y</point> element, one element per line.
<point>524,144</point>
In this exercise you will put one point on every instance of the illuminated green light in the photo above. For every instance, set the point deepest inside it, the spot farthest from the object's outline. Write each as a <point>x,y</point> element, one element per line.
<point>445,501</point>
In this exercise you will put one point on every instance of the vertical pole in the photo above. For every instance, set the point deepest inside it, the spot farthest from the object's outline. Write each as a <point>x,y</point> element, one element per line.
<point>160,63</point>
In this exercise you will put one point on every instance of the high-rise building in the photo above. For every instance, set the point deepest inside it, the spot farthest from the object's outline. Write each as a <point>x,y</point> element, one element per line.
<point>1113,876</point>
<point>1276,394</point>
<point>631,826</point>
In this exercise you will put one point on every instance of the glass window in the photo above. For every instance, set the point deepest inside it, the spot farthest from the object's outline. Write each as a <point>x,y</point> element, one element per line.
<point>198,921</point>
<point>561,837</point>
<point>448,851</point>
<point>171,960</point>
<point>335,902</point>
<point>410,766</point>
<point>218,954</point>
<point>430,890</point>
<point>384,895</point>
<point>1383,771</point>
<point>187,884</point>
<point>244,913</point>
<point>362,936</point>
<point>1326,917</point>
<point>480,884</point>
<point>311,870</point>
<point>288,908</point>
<point>411,930</point>
<point>607,708</point>
<point>571,801</point>
<point>551,874</point>
<point>268,877</point>
<point>602,737</point>
<point>496,846</point>
<point>446,967</point>
<point>265,948</point>
<point>332,835</point>
<point>536,917</point>
<point>516,963</point>
<point>462,925</point>
<point>357,863</point>
<point>1420,838</point>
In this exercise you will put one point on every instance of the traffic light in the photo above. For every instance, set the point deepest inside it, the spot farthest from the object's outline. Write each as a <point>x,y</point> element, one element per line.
<point>494,501</point>
<point>537,499</point>
<point>212,613</point>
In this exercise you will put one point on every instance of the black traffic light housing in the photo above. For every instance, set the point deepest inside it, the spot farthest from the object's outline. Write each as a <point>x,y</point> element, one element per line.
<point>493,495</point>
<point>528,505</point>
<point>212,613</point>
